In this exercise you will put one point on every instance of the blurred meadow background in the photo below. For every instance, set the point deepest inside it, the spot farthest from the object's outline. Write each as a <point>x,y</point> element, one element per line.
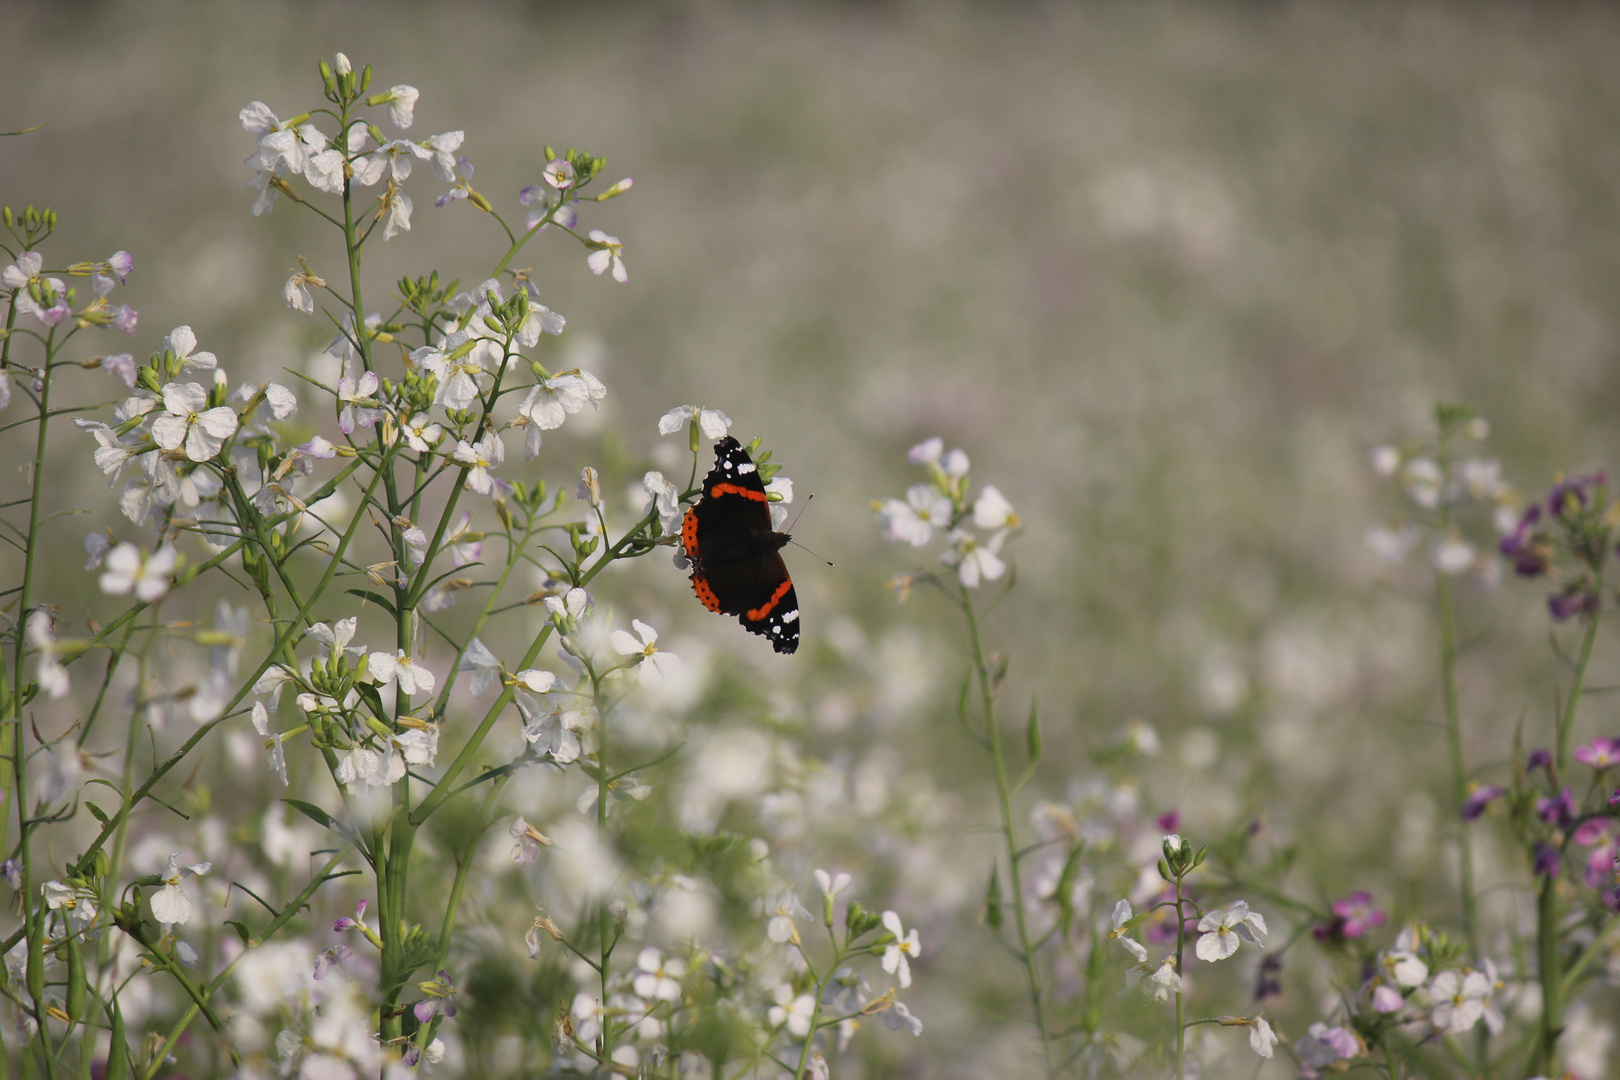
<point>1167,271</point>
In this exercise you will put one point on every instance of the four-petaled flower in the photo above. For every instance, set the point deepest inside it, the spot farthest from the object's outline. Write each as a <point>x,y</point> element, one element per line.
<point>1459,999</point>
<point>441,997</point>
<point>793,1012</point>
<point>413,677</point>
<point>606,252</point>
<point>904,945</point>
<point>486,454</point>
<point>170,905</point>
<point>1220,931</point>
<point>52,676</point>
<point>654,665</point>
<point>712,422</point>
<point>126,569</point>
<point>975,560</point>
<point>360,405</point>
<point>530,842</point>
<point>658,979</point>
<point>188,420</point>
<point>924,510</point>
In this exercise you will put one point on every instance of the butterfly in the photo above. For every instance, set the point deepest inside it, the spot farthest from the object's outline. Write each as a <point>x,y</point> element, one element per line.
<point>736,555</point>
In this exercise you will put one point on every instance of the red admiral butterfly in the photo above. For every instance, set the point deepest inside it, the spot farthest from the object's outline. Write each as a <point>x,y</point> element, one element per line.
<point>737,566</point>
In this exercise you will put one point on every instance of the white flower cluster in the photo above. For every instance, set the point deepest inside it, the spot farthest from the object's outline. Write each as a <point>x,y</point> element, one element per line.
<point>941,505</point>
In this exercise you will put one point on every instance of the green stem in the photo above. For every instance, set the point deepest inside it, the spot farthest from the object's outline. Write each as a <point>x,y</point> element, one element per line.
<point>1459,772</point>
<point>1026,952</point>
<point>1181,999</point>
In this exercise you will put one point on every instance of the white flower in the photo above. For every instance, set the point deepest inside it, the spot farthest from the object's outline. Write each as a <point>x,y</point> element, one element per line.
<point>52,676</point>
<point>1261,1038</point>
<point>364,765</point>
<point>418,745</point>
<point>1160,980</point>
<point>273,743</point>
<point>712,422</point>
<point>359,402</point>
<point>148,576</point>
<point>992,511</point>
<point>657,979</point>
<point>975,560</point>
<point>1220,931</point>
<point>487,453</point>
<point>413,677</point>
<point>1452,555</point>
<point>1122,915</point>
<point>440,150</point>
<point>335,639</point>
<point>458,388</point>
<point>1385,460</point>
<point>186,420</point>
<point>78,906</point>
<point>897,1016</point>
<point>24,270</point>
<point>914,520</point>
<point>530,842</point>
<point>895,953</point>
<point>931,452</point>
<point>399,207</point>
<point>795,1012</point>
<point>654,665</point>
<point>420,432</point>
<point>401,101</point>
<point>112,453</point>
<point>1404,967</point>
<point>170,905</point>
<point>1459,999</point>
<point>607,253</point>
<point>665,499</point>
<point>483,663</point>
<point>1422,479</point>
<point>573,605</point>
<point>536,680</point>
<point>553,732</point>
<point>830,886</point>
<point>182,341</point>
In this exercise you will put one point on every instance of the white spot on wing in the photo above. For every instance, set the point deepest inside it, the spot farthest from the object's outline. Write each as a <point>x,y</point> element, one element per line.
<point>790,616</point>
<point>746,467</point>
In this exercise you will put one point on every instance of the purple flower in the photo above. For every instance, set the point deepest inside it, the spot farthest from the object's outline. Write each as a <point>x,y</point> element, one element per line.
<point>1539,759</point>
<point>1525,546</point>
<point>1575,600</point>
<point>1267,984</point>
<point>1560,811</point>
<point>331,958</point>
<point>345,924</point>
<point>1479,799</point>
<point>1611,898</point>
<point>122,263</point>
<point>1168,822</point>
<point>441,997</point>
<point>1570,496</point>
<point>1547,860</point>
<point>1355,915</point>
<point>1599,753</point>
<point>124,318</point>
<point>1614,800</point>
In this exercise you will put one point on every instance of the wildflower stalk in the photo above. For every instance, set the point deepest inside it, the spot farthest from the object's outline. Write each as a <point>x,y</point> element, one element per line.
<point>1181,998</point>
<point>1026,952</point>
<point>1548,954</point>
<point>1446,615</point>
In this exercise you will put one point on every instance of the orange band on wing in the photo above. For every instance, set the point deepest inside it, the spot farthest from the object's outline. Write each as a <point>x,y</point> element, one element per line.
<point>689,525</point>
<point>764,609</point>
<point>705,593</point>
<point>733,489</point>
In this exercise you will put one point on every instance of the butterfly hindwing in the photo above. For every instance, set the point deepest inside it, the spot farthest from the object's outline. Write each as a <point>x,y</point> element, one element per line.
<point>737,566</point>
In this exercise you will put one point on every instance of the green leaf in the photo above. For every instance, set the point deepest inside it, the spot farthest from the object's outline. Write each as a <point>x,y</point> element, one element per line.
<point>313,812</point>
<point>992,898</point>
<point>241,930</point>
<point>367,594</point>
<point>1032,733</point>
<point>96,812</point>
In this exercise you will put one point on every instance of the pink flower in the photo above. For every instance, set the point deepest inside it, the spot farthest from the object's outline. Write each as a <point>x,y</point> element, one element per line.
<point>1599,753</point>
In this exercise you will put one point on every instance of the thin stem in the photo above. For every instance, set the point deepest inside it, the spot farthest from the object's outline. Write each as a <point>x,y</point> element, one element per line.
<point>1015,877</point>
<point>1459,772</point>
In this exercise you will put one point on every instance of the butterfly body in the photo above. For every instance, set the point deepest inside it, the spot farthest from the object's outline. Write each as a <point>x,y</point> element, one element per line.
<point>737,566</point>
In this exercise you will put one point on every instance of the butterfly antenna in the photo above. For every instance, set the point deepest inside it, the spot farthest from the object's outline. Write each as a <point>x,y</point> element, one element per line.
<point>795,521</point>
